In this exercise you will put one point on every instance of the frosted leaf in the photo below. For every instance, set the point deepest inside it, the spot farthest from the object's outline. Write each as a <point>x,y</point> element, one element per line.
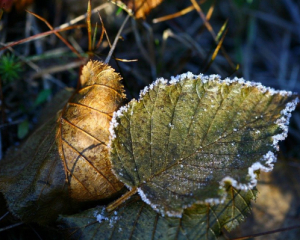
<point>177,150</point>
<point>137,220</point>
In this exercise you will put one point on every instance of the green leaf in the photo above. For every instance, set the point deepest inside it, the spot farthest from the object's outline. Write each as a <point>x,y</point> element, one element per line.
<point>183,140</point>
<point>23,129</point>
<point>137,220</point>
<point>42,97</point>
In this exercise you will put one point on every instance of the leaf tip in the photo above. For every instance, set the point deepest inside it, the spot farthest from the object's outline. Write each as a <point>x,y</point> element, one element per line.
<point>266,164</point>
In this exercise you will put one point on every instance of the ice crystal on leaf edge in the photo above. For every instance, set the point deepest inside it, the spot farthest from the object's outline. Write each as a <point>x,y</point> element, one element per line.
<point>268,159</point>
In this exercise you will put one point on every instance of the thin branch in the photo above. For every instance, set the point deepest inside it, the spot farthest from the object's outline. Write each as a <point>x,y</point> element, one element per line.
<point>116,40</point>
<point>11,226</point>
<point>56,33</point>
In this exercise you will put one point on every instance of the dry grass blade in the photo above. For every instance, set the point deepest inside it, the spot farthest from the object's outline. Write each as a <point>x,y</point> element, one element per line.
<point>40,35</point>
<point>56,33</point>
<point>116,40</point>
<point>103,30</point>
<point>216,51</point>
<point>211,10</point>
<point>223,28</point>
<point>203,17</point>
<point>178,14</point>
<point>89,26</point>
<point>58,68</point>
<point>11,226</point>
<point>210,29</point>
<point>83,16</point>
<point>4,215</point>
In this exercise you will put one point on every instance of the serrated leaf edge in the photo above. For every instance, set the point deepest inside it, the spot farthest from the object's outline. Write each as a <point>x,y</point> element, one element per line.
<point>268,159</point>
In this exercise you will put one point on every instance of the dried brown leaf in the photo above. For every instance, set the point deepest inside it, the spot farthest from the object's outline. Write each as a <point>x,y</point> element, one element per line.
<point>84,133</point>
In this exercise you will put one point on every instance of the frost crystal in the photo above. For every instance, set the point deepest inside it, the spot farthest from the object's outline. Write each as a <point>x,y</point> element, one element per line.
<point>283,122</point>
<point>114,123</point>
<point>156,207</point>
<point>268,159</point>
<point>102,218</point>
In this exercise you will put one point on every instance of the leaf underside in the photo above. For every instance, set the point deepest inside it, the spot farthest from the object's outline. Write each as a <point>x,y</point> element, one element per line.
<point>32,179</point>
<point>180,140</point>
<point>137,220</point>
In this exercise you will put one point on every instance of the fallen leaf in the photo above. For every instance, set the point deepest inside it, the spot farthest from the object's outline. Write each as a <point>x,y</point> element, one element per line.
<point>32,179</point>
<point>84,133</point>
<point>137,220</point>
<point>184,139</point>
<point>65,160</point>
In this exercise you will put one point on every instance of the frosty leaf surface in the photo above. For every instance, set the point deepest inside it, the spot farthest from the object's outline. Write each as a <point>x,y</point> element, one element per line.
<point>137,220</point>
<point>184,139</point>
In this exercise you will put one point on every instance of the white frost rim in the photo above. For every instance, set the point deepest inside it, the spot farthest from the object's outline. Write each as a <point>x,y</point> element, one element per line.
<point>268,159</point>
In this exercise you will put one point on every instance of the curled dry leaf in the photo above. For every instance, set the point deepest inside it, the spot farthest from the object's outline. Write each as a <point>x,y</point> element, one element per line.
<point>65,160</point>
<point>140,7</point>
<point>184,139</point>
<point>84,133</point>
<point>137,220</point>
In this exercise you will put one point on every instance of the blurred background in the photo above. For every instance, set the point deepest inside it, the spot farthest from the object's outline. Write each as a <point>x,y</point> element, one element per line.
<point>259,41</point>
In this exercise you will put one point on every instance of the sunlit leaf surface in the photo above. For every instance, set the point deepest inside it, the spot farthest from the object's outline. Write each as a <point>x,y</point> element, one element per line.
<point>84,133</point>
<point>137,220</point>
<point>185,138</point>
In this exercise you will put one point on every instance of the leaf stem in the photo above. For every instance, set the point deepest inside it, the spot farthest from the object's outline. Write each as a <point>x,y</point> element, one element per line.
<point>116,40</point>
<point>121,200</point>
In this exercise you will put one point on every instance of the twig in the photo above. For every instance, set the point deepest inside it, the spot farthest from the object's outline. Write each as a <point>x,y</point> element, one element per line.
<point>83,16</point>
<point>56,33</point>
<point>177,14</point>
<point>11,226</point>
<point>116,40</point>
<point>41,35</point>
<point>3,216</point>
